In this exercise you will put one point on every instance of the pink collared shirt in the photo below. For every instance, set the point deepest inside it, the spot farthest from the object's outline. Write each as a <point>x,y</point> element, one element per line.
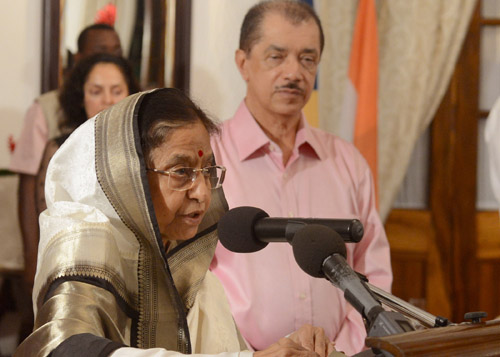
<point>326,177</point>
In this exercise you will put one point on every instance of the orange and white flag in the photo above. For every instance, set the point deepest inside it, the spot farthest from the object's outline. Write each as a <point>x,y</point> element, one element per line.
<point>359,112</point>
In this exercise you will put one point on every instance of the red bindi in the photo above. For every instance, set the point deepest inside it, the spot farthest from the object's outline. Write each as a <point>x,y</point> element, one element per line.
<point>200,153</point>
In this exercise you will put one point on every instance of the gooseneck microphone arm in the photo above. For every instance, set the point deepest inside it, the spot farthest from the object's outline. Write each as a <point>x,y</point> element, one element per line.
<point>423,317</point>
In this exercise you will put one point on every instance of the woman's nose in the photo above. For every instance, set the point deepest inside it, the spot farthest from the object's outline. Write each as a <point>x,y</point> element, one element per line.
<point>107,98</point>
<point>201,189</point>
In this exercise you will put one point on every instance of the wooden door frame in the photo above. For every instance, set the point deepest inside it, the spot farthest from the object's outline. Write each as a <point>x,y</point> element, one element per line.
<point>453,176</point>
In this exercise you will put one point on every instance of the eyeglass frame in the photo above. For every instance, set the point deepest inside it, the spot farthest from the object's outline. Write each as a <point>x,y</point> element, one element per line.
<point>193,177</point>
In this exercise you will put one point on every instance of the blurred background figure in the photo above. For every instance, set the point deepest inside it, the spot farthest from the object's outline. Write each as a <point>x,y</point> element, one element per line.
<point>97,38</point>
<point>96,83</point>
<point>41,125</point>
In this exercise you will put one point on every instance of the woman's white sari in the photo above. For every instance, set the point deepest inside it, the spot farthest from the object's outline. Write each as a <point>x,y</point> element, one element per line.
<point>104,280</point>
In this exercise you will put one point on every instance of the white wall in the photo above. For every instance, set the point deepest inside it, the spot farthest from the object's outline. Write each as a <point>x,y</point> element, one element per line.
<point>215,83</point>
<point>20,63</point>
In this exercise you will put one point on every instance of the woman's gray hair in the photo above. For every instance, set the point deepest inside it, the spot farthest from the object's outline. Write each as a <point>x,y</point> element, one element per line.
<point>162,111</point>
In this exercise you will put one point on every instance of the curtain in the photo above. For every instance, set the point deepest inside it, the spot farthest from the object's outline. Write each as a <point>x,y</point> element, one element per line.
<point>419,43</point>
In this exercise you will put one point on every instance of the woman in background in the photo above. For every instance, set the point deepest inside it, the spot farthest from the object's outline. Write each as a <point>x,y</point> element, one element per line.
<point>95,84</point>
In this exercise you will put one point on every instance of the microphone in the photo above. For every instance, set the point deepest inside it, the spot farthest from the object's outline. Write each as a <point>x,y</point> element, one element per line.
<point>249,229</point>
<point>321,252</point>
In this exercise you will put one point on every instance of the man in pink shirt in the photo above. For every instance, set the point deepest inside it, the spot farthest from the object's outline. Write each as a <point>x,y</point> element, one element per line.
<point>277,162</point>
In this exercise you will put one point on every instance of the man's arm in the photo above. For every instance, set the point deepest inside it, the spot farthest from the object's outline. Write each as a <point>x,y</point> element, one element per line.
<point>28,220</point>
<point>26,162</point>
<point>371,257</point>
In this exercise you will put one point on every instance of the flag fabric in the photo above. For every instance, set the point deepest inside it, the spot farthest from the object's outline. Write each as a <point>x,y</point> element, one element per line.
<point>359,112</point>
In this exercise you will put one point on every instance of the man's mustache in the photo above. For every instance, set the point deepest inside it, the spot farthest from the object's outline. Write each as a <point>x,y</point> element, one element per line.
<point>291,85</point>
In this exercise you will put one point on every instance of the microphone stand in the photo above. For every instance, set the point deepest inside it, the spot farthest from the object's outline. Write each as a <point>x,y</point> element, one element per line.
<point>402,307</point>
<point>423,317</point>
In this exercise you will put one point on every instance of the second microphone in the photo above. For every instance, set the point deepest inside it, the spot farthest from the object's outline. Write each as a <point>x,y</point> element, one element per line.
<point>249,229</point>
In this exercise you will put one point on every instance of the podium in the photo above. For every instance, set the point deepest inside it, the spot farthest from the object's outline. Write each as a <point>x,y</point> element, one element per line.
<point>466,339</point>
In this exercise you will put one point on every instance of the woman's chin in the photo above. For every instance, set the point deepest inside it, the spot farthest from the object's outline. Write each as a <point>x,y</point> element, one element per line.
<point>181,235</point>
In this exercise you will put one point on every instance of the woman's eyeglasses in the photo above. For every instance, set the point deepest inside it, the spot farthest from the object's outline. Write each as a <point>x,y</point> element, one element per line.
<point>183,178</point>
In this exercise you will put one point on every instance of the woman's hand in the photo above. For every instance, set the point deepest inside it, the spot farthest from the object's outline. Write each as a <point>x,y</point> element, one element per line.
<point>313,339</point>
<point>285,347</point>
<point>306,341</point>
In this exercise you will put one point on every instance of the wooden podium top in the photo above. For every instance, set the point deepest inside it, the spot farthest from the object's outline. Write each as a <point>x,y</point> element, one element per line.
<point>466,339</point>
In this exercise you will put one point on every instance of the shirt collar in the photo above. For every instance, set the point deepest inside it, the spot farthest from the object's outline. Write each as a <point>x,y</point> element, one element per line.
<point>250,138</point>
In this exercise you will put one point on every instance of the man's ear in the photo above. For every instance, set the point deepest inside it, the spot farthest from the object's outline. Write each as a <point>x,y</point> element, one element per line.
<point>240,57</point>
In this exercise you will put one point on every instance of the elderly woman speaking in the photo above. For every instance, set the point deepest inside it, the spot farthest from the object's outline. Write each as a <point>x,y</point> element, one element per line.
<point>133,201</point>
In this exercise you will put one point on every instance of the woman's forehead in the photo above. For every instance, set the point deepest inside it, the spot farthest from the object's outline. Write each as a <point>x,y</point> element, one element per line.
<point>189,143</point>
<point>182,157</point>
<point>188,136</point>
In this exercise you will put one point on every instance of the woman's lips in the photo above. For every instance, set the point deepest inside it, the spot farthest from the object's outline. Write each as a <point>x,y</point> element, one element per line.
<point>193,218</point>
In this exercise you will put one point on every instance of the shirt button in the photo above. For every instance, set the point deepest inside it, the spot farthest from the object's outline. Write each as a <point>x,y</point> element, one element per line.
<point>302,296</point>
<point>290,214</point>
<point>285,176</point>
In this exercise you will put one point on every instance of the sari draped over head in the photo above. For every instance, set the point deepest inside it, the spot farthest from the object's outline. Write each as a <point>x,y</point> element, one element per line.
<point>103,277</point>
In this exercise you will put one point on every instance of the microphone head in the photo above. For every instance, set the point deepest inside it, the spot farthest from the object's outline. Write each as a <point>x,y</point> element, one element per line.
<point>236,229</point>
<point>312,244</point>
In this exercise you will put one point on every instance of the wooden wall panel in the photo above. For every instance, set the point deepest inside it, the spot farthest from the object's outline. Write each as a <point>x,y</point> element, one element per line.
<point>417,267</point>
<point>410,277</point>
<point>416,264</point>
